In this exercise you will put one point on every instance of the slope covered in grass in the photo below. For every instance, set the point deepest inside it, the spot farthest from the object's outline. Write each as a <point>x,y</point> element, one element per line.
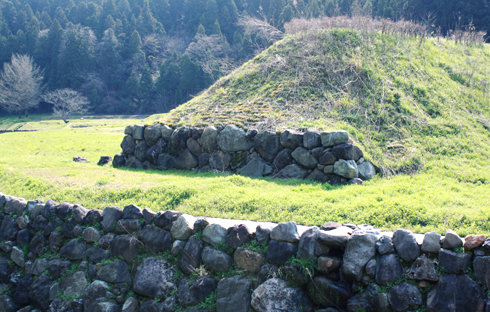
<point>411,104</point>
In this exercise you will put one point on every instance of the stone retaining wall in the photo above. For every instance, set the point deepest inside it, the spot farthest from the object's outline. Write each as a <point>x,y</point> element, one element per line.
<point>321,156</point>
<point>64,257</point>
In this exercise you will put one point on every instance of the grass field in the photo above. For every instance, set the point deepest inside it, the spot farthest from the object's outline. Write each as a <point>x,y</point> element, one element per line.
<point>38,165</point>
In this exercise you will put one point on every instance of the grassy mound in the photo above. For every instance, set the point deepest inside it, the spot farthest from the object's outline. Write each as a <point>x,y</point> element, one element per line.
<point>411,104</point>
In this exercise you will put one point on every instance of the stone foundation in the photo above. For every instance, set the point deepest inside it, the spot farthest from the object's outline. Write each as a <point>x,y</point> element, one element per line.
<point>322,156</point>
<point>64,257</point>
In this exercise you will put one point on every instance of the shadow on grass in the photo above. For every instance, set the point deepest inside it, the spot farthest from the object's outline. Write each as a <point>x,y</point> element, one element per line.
<point>191,174</point>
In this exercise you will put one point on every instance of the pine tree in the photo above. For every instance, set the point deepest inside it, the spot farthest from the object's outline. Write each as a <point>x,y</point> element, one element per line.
<point>145,88</point>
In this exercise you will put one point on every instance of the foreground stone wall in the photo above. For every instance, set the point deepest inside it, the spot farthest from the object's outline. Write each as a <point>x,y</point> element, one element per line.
<point>321,156</point>
<point>64,257</point>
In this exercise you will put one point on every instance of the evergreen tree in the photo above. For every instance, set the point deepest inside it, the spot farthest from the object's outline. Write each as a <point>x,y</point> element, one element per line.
<point>210,16</point>
<point>145,88</point>
<point>201,30</point>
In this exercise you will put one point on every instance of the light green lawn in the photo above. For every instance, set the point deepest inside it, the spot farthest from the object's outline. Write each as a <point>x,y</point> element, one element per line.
<point>38,165</point>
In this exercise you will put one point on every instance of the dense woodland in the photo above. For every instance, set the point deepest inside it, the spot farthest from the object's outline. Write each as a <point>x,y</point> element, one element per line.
<point>146,56</point>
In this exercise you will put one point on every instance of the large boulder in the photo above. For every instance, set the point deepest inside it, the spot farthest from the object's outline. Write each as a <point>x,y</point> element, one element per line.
<point>311,139</point>
<point>73,250</point>
<point>155,238</point>
<point>237,236</point>
<point>165,162</point>
<point>422,269</point>
<point>332,138</point>
<point>191,257</point>
<point>286,231</point>
<point>94,294</point>
<point>276,295</point>
<point>178,140</point>
<point>406,245</point>
<point>318,175</point>
<point>452,240</point>
<point>304,158</point>
<point>327,159</point>
<point>345,168</point>
<point>186,160</point>
<point>291,139</point>
<point>182,228</point>
<point>359,250</point>
<point>404,296</point>
<point>454,262</point>
<point>154,278</point>
<point>456,293</point>
<point>216,260</point>
<point>39,291</point>
<point>132,212</point>
<point>292,171</point>
<point>308,243</point>
<point>128,145</point>
<point>74,285</point>
<point>209,139</point>
<point>152,134</point>
<point>125,246</point>
<point>167,132</point>
<point>214,234</point>
<point>110,216</point>
<point>256,168</point>
<point>114,272</point>
<point>9,229</point>
<point>248,260</point>
<point>233,139</point>
<point>431,242</point>
<point>473,241</point>
<point>335,238</point>
<point>328,293</point>
<point>370,300</point>
<point>220,160</point>
<point>280,252</point>
<point>190,294</point>
<point>233,294</point>
<point>481,267</point>
<point>140,150</point>
<point>366,170</point>
<point>268,145</point>
<point>16,206</point>
<point>164,219</point>
<point>347,151</point>
<point>389,269</point>
<point>282,159</point>
<point>194,147</point>
<point>138,132</point>
<point>133,162</point>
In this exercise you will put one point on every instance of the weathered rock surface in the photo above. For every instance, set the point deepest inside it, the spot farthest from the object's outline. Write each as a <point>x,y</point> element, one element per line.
<point>275,295</point>
<point>311,139</point>
<point>291,139</point>
<point>73,250</point>
<point>152,134</point>
<point>292,171</point>
<point>233,294</point>
<point>178,140</point>
<point>182,228</point>
<point>453,262</point>
<point>308,243</point>
<point>233,139</point>
<point>304,158</point>
<point>248,260</point>
<point>404,296</point>
<point>186,160</point>
<point>110,216</point>
<point>371,300</point>
<point>481,267</point>
<point>333,138</point>
<point>452,240</point>
<point>347,151</point>
<point>406,245</point>
<point>154,278</point>
<point>209,139</point>
<point>125,246</point>
<point>366,170</point>
<point>282,159</point>
<point>385,245</point>
<point>220,160</point>
<point>328,264</point>
<point>473,241</point>
<point>155,238</point>
<point>268,145</point>
<point>238,236</point>
<point>286,231</point>
<point>191,256</point>
<point>345,168</point>
<point>423,269</point>
<point>216,260</point>
<point>359,250</point>
<point>456,293</point>
<point>432,242</point>
<point>74,285</point>
<point>280,252</point>
<point>115,272</point>
<point>214,234</point>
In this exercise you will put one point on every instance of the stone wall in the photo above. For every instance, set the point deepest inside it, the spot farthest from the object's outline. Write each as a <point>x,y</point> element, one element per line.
<point>64,257</point>
<point>321,156</point>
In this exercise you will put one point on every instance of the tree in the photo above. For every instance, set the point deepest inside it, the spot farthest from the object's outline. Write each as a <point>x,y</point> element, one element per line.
<point>20,84</point>
<point>66,102</point>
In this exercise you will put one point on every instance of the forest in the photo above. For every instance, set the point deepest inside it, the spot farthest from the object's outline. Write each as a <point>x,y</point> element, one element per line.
<point>149,56</point>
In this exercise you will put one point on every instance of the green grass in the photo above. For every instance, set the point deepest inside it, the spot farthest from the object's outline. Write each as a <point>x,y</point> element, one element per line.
<point>38,165</point>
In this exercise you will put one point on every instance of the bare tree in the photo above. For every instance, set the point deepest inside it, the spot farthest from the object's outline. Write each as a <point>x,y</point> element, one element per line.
<point>66,102</point>
<point>20,85</point>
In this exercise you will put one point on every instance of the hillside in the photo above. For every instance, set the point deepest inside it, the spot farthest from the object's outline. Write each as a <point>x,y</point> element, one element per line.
<point>412,104</point>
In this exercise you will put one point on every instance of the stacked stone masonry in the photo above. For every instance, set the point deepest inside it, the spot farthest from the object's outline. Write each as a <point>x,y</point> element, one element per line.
<point>322,156</point>
<point>64,257</point>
